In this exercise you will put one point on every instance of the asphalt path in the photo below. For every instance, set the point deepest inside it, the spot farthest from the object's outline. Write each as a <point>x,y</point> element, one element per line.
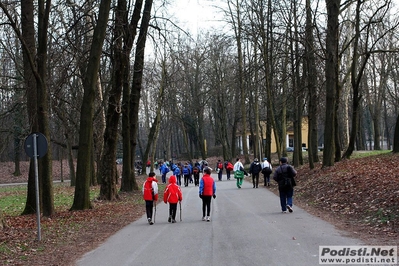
<point>247,227</point>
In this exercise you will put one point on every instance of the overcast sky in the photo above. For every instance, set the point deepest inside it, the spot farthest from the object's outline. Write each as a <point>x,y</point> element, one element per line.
<point>197,14</point>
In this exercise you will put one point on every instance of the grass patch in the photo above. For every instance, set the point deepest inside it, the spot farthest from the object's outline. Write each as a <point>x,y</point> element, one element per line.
<point>13,198</point>
<point>362,154</point>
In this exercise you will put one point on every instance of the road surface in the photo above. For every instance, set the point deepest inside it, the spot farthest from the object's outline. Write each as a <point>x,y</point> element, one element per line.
<point>247,228</point>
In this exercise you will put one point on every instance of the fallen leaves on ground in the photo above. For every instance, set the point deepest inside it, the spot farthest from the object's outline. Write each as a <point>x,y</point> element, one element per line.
<point>360,196</point>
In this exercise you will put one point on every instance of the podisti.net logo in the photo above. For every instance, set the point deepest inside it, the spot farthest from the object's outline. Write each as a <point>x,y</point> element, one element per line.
<point>352,255</point>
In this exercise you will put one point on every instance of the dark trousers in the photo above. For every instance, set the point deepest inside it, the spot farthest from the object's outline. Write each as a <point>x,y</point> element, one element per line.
<point>266,179</point>
<point>196,179</point>
<point>286,198</point>
<point>164,178</point>
<point>186,179</point>
<point>178,180</point>
<point>220,174</point>
<point>172,210</point>
<point>255,179</point>
<point>148,208</point>
<point>206,205</point>
<point>228,175</point>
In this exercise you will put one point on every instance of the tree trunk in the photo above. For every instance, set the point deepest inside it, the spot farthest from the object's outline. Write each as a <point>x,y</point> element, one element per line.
<point>2,221</point>
<point>45,163</point>
<point>137,78</point>
<point>127,182</point>
<point>29,53</point>
<point>396,137</point>
<point>331,74</point>
<point>35,78</point>
<point>108,171</point>
<point>356,78</point>
<point>154,130</point>
<point>311,73</point>
<point>72,175</point>
<point>337,137</point>
<point>83,171</point>
<point>237,26</point>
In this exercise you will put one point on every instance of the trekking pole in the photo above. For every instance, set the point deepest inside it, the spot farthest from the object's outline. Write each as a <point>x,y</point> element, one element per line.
<point>180,209</point>
<point>155,213</point>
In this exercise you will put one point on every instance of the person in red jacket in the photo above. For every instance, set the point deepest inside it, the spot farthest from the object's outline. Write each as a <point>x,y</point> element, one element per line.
<point>173,195</point>
<point>150,193</point>
<point>207,190</point>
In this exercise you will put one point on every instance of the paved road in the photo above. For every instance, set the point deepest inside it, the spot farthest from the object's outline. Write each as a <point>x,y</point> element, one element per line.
<point>247,228</point>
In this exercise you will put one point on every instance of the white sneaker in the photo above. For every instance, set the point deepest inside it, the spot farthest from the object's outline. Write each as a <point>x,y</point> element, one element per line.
<point>289,208</point>
<point>204,218</point>
<point>208,219</point>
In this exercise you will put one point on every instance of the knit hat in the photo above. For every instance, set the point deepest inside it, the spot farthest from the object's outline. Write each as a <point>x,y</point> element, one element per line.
<point>265,159</point>
<point>283,160</point>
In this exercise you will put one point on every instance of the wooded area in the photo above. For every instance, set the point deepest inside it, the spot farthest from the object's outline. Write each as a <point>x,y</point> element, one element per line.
<point>104,80</point>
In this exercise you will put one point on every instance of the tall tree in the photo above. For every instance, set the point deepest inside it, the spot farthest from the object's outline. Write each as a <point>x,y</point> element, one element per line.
<point>236,17</point>
<point>108,171</point>
<point>137,80</point>
<point>311,76</point>
<point>35,69</point>
<point>331,74</point>
<point>360,60</point>
<point>81,199</point>
<point>45,163</point>
<point>128,181</point>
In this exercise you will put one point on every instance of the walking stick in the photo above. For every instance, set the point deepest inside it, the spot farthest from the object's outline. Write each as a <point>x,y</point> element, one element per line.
<point>155,213</point>
<point>180,209</point>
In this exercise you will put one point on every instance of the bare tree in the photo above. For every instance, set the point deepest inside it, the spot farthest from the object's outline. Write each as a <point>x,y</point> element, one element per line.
<point>359,63</point>
<point>331,74</point>
<point>310,75</point>
<point>38,100</point>
<point>137,83</point>
<point>84,164</point>
<point>235,15</point>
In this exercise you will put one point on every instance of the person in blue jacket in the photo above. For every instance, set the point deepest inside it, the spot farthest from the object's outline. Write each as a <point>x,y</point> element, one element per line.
<point>164,170</point>
<point>176,172</point>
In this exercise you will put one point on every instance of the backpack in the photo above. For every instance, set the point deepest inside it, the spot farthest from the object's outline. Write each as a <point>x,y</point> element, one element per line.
<point>220,165</point>
<point>285,182</point>
<point>229,166</point>
<point>166,170</point>
<point>176,171</point>
<point>196,170</point>
<point>186,171</point>
<point>256,168</point>
<point>266,171</point>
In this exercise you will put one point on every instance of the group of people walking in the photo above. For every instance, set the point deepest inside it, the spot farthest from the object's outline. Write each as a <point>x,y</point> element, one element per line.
<point>173,195</point>
<point>188,171</point>
<point>283,175</point>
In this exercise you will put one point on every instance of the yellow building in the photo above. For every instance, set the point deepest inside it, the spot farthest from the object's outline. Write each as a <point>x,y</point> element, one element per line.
<point>289,137</point>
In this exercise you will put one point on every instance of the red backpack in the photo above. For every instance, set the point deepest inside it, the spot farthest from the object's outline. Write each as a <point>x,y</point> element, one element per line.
<point>220,165</point>
<point>229,167</point>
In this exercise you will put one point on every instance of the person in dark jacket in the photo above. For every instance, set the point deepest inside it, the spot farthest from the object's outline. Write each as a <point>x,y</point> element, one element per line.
<point>254,170</point>
<point>284,176</point>
<point>150,194</point>
<point>207,190</point>
<point>219,169</point>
